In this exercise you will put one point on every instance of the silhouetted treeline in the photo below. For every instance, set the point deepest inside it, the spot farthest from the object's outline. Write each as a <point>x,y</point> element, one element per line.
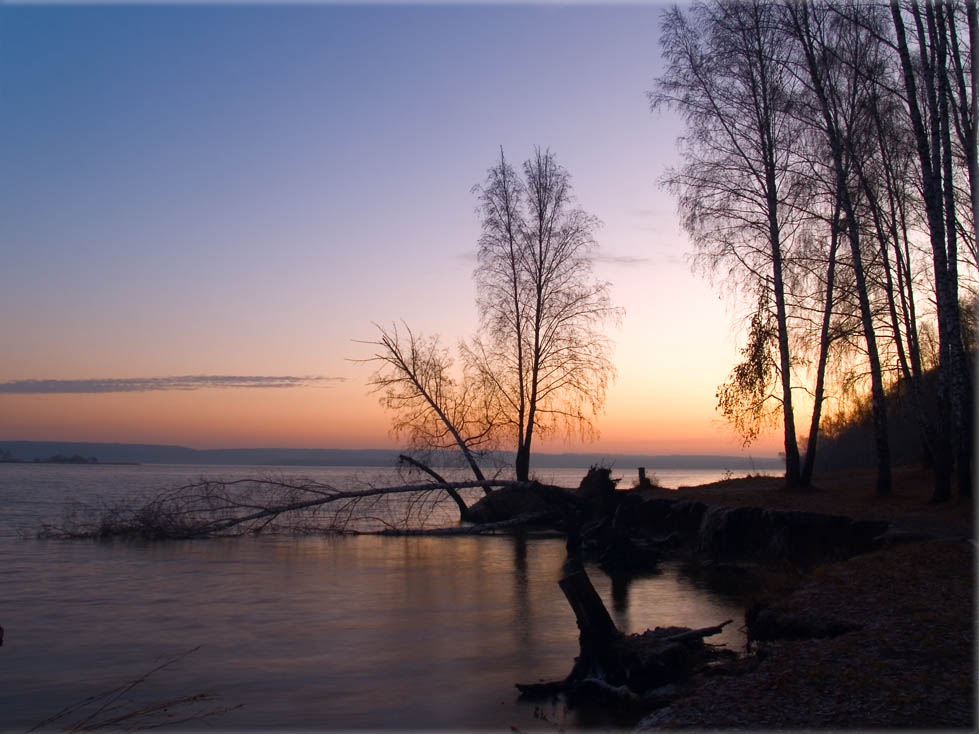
<point>829,179</point>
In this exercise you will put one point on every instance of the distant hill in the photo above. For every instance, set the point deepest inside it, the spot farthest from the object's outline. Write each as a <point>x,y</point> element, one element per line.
<point>157,454</point>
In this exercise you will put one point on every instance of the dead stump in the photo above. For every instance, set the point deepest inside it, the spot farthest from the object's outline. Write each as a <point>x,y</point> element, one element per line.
<point>637,671</point>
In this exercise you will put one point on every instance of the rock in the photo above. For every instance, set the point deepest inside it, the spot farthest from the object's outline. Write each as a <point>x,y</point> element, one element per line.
<point>767,621</point>
<point>753,533</point>
<point>509,502</point>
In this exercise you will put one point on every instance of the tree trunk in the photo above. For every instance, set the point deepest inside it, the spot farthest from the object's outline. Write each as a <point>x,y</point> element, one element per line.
<point>800,20</point>
<point>955,393</point>
<point>961,385</point>
<point>523,463</point>
<point>594,623</point>
<point>881,441</point>
<point>824,340</point>
<point>792,478</point>
<point>456,497</point>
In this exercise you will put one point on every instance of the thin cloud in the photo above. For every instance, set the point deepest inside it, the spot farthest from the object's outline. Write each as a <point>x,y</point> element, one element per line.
<point>600,257</point>
<point>621,259</point>
<point>156,384</point>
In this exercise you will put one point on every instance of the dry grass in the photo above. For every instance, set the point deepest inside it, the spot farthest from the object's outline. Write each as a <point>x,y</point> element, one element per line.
<point>124,708</point>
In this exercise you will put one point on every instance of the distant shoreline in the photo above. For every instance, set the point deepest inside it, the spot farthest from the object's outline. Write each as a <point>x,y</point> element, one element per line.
<point>119,453</point>
<point>70,463</point>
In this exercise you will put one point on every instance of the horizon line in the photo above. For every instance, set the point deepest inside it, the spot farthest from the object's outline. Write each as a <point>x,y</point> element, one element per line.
<point>389,449</point>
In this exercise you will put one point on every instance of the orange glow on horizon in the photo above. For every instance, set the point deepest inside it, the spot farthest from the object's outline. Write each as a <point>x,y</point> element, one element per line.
<point>345,416</point>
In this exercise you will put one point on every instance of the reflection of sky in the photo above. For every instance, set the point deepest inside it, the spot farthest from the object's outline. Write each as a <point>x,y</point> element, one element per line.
<point>378,633</point>
<point>242,191</point>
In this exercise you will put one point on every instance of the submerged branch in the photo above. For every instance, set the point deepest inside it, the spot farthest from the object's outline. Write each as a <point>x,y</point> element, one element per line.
<point>487,528</point>
<point>115,709</point>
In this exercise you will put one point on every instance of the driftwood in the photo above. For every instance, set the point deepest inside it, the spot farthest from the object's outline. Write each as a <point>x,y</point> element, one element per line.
<point>698,634</point>
<point>629,671</point>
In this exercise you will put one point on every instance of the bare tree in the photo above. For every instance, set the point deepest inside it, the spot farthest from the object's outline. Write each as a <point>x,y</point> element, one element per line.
<point>726,75</point>
<point>929,89</point>
<point>828,49</point>
<point>433,409</point>
<point>542,357</point>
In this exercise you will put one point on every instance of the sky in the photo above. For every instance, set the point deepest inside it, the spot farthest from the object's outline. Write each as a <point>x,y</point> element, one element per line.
<point>204,210</point>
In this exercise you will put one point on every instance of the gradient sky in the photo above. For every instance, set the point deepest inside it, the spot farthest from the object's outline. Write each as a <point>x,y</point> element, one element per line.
<point>218,191</point>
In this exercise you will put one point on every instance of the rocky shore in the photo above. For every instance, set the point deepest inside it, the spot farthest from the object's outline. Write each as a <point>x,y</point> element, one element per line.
<point>883,638</point>
<point>860,610</point>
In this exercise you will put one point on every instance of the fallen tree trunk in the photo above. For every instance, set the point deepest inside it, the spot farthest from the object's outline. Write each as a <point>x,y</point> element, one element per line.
<point>338,495</point>
<point>238,507</point>
<point>456,497</point>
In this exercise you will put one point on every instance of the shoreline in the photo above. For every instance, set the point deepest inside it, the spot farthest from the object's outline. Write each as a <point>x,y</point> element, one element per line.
<point>908,658</point>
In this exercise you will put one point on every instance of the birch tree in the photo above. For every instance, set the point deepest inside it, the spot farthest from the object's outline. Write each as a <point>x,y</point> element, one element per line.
<point>726,75</point>
<point>930,93</point>
<point>838,102</point>
<point>542,356</point>
<point>541,360</point>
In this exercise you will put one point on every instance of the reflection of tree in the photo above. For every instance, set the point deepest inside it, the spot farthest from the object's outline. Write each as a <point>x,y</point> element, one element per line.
<point>620,593</point>
<point>522,618</point>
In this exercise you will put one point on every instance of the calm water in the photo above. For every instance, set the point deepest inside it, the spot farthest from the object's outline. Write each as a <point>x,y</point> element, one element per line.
<point>312,632</point>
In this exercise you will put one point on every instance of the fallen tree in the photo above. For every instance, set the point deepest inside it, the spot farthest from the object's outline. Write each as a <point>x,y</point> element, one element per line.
<point>214,507</point>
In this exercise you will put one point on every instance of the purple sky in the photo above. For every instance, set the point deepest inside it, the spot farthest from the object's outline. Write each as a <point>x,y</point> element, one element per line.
<point>241,191</point>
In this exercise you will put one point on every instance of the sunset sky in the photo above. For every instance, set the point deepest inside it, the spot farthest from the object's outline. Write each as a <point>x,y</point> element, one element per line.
<point>238,193</point>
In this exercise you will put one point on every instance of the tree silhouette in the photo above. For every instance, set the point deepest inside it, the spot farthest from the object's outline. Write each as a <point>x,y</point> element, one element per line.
<point>541,352</point>
<point>738,187</point>
<point>540,361</point>
<point>433,410</point>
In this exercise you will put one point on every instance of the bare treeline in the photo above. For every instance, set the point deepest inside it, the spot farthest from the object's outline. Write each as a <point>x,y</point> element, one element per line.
<point>829,174</point>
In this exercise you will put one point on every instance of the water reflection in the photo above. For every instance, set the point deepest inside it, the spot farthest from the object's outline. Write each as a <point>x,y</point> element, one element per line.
<point>347,632</point>
<point>620,594</point>
<point>523,619</point>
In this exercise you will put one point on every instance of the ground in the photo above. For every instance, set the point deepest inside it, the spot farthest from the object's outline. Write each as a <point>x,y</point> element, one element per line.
<point>913,661</point>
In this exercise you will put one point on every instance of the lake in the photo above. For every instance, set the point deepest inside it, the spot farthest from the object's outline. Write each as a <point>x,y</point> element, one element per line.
<point>309,632</point>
